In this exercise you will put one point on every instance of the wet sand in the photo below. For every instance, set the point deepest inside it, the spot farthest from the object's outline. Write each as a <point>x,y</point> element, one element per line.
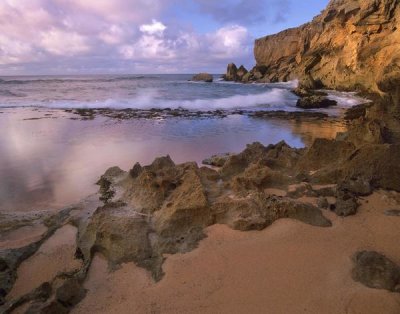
<point>54,256</point>
<point>290,267</point>
<point>48,160</point>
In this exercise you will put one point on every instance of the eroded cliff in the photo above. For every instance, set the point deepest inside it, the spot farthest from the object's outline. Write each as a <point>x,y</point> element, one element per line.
<point>351,45</point>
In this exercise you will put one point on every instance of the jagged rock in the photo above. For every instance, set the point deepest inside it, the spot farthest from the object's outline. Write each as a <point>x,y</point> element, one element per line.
<point>120,234</point>
<point>258,177</point>
<point>315,102</point>
<point>259,210</point>
<point>326,153</point>
<point>241,72</point>
<point>184,215</point>
<point>350,45</point>
<point>376,271</point>
<point>217,160</point>
<point>231,73</point>
<point>203,77</point>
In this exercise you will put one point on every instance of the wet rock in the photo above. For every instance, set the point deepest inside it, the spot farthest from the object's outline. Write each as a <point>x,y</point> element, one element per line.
<point>392,212</point>
<point>356,112</point>
<point>303,92</point>
<point>203,77</point>
<point>374,270</point>
<point>315,102</point>
<point>296,115</point>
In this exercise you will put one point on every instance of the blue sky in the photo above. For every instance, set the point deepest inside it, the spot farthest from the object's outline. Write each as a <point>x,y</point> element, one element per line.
<point>139,36</point>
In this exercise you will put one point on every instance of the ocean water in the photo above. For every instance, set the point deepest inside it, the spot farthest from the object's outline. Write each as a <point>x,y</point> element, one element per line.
<point>49,158</point>
<point>150,91</point>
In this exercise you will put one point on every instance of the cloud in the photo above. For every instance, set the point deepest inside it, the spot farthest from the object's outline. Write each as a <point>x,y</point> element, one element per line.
<point>63,43</point>
<point>155,28</point>
<point>107,36</point>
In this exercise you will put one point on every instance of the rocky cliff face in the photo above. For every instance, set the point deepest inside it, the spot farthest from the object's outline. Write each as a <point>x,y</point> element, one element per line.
<point>352,45</point>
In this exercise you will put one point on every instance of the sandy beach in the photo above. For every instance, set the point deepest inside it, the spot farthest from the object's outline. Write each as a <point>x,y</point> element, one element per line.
<point>289,267</point>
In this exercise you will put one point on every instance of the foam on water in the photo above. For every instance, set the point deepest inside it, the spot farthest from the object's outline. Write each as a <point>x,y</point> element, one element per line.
<point>150,91</point>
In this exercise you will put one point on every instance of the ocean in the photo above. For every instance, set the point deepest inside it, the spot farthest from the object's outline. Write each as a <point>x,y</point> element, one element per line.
<point>50,157</point>
<point>150,91</point>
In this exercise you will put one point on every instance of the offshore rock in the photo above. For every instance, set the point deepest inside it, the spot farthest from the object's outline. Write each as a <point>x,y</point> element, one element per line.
<point>315,102</point>
<point>203,77</point>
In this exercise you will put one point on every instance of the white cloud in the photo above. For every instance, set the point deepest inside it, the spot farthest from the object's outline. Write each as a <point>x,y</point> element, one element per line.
<point>103,34</point>
<point>60,42</point>
<point>155,28</point>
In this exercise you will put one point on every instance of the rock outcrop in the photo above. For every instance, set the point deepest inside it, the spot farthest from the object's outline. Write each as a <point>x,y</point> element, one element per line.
<point>203,77</point>
<point>351,45</point>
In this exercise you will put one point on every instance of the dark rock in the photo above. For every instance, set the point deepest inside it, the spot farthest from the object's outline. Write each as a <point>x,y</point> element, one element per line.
<point>346,204</point>
<point>358,186</point>
<point>322,202</point>
<point>356,112</point>
<point>70,293</point>
<point>136,170</point>
<point>392,212</point>
<point>303,92</point>
<point>315,102</point>
<point>203,77</point>
<point>376,271</point>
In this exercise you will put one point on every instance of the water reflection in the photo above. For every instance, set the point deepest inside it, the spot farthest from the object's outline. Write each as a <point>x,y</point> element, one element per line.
<point>52,162</point>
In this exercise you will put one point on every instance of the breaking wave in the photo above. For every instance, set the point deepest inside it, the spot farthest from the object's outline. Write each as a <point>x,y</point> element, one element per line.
<point>150,99</point>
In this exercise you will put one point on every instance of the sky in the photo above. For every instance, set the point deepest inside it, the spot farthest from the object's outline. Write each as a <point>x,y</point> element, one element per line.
<point>139,36</point>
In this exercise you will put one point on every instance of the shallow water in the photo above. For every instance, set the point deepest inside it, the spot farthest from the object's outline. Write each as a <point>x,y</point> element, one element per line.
<point>54,161</point>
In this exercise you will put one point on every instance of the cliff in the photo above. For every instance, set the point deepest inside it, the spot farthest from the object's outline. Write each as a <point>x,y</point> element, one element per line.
<point>351,45</point>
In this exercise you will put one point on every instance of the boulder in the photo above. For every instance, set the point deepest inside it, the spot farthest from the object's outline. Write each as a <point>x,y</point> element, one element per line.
<point>203,77</point>
<point>346,204</point>
<point>315,102</point>
<point>374,270</point>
